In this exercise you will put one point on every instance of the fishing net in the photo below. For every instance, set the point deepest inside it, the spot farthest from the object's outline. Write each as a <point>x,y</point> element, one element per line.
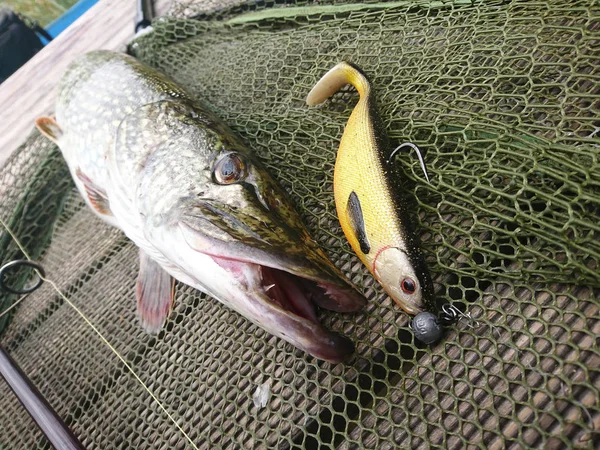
<point>502,96</point>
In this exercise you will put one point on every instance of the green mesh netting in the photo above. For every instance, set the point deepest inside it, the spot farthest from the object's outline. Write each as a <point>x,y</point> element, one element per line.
<point>504,98</point>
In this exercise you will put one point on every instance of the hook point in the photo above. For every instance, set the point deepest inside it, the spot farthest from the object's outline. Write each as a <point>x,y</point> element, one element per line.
<point>419,155</point>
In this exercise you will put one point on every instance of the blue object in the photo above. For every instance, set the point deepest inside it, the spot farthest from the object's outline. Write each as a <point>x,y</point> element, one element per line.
<point>60,24</point>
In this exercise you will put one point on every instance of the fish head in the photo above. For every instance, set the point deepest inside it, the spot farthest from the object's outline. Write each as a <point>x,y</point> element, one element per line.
<point>225,226</point>
<point>405,278</point>
<point>242,213</point>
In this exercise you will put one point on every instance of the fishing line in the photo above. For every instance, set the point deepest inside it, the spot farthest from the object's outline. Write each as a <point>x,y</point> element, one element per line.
<point>13,305</point>
<point>114,350</point>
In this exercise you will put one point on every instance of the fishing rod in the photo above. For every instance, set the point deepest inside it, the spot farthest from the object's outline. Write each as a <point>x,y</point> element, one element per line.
<point>53,427</point>
<point>48,421</point>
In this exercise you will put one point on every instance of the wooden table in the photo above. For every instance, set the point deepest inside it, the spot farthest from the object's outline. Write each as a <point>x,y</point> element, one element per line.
<point>31,91</point>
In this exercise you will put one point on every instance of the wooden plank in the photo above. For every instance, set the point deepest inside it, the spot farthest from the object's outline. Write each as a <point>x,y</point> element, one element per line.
<point>31,91</point>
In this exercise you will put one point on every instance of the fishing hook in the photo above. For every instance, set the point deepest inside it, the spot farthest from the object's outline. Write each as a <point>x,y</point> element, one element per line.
<point>36,405</point>
<point>419,155</point>
<point>451,314</point>
<point>17,264</point>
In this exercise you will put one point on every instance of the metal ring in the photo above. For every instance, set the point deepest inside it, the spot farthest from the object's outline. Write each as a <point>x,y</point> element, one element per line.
<point>18,263</point>
<point>449,314</point>
<point>450,311</point>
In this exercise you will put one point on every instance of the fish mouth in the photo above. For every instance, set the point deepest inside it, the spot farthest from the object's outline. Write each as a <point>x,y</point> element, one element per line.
<point>275,274</point>
<point>285,304</point>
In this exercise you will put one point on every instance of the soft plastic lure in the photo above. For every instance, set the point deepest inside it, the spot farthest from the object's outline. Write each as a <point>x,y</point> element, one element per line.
<point>372,214</point>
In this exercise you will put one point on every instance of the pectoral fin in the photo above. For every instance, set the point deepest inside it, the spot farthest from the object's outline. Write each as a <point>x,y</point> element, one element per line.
<point>96,195</point>
<point>155,290</point>
<point>357,222</point>
<point>48,127</point>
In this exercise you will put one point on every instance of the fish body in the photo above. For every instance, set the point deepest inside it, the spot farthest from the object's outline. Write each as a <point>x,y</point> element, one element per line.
<point>154,162</point>
<point>372,214</point>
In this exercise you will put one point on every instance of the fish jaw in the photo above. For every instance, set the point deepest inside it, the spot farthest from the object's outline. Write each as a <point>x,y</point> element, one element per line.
<point>280,302</point>
<point>276,301</point>
<point>310,265</point>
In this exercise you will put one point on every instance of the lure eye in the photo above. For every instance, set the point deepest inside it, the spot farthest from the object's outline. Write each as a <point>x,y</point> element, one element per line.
<point>408,286</point>
<point>229,169</point>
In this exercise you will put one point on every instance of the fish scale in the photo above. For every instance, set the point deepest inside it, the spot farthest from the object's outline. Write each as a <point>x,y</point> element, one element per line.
<point>93,94</point>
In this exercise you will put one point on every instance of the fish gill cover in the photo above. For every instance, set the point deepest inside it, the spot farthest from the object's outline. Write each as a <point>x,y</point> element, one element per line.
<point>503,97</point>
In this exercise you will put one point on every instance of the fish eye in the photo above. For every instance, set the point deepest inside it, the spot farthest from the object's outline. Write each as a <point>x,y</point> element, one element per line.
<point>229,169</point>
<point>408,285</point>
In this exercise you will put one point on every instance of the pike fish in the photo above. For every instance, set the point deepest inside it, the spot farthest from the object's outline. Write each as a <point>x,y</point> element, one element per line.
<point>154,162</point>
<point>371,211</point>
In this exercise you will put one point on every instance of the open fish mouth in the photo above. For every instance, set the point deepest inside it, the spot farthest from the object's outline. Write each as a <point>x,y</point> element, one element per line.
<point>275,274</point>
<point>299,295</point>
<point>285,304</point>
<point>287,291</point>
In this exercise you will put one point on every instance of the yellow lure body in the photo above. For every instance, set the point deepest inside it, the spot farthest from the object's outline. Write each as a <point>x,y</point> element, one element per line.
<point>367,209</point>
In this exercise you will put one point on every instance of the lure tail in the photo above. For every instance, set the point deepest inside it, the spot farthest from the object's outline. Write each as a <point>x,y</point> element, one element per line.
<point>342,74</point>
<point>346,73</point>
